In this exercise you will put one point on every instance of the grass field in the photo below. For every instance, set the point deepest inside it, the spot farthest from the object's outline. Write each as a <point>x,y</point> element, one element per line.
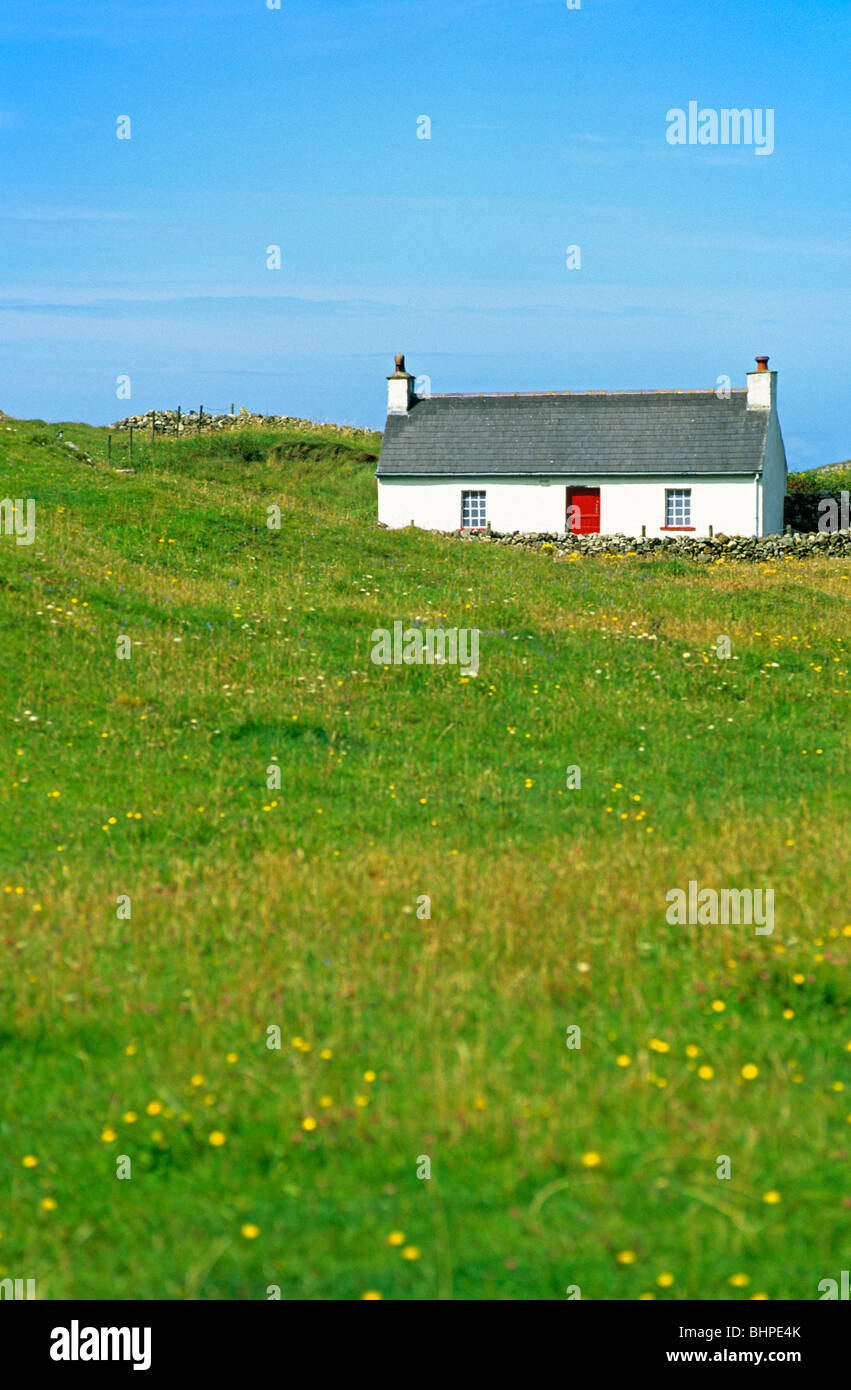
<point>403,1036</point>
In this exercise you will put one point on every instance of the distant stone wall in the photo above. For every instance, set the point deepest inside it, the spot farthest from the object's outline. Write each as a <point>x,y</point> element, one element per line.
<point>199,422</point>
<point>799,546</point>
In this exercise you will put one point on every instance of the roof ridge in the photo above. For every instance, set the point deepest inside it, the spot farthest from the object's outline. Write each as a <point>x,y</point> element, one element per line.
<point>502,395</point>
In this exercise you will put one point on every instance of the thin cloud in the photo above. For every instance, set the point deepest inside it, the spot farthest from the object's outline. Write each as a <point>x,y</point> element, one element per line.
<point>65,214</point>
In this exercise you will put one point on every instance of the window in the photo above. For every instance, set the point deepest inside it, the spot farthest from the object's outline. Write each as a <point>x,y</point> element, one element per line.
<point>473,510</point>
<point>678,506</point>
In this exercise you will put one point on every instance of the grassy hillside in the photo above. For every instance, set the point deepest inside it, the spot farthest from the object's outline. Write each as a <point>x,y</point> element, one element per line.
<point>297,909</point>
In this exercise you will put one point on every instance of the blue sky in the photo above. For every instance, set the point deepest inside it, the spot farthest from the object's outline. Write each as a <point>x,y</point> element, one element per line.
<point>297,127</point>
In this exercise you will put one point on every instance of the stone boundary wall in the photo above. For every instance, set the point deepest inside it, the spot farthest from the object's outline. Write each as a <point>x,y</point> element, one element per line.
<point>200,422</point>
<point>798,546</point>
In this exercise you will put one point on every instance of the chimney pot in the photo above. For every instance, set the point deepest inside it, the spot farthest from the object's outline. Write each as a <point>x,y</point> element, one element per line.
<point>400,361</point>
<point>762,364</point>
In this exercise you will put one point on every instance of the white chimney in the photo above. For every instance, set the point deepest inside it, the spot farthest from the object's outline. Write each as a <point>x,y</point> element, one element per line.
<point>762,387</point>
<point>400,388</point>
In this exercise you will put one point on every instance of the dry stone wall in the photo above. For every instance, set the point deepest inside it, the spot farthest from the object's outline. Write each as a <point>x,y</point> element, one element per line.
<point>200,422</point>
<point>798,546</point>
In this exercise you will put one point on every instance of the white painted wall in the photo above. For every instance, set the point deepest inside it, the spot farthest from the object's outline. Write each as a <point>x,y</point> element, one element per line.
<point>726,504</point>
<point>762,395</point>
<point>773,480</point>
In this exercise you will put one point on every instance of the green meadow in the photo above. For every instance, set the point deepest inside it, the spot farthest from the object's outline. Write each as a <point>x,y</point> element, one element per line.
<point>423,908</point>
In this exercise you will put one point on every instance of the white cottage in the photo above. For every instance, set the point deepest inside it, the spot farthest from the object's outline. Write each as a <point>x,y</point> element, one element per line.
<point>660,462</point>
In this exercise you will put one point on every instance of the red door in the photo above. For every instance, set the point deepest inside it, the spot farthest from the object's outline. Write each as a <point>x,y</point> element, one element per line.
<point>583,510</point>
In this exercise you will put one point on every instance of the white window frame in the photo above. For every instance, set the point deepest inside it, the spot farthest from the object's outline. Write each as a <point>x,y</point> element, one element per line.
<point>474,505</point>
<point>678,509</point>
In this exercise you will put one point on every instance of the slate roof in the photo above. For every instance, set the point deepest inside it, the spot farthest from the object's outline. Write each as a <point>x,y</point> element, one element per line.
<point>623,434</point>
